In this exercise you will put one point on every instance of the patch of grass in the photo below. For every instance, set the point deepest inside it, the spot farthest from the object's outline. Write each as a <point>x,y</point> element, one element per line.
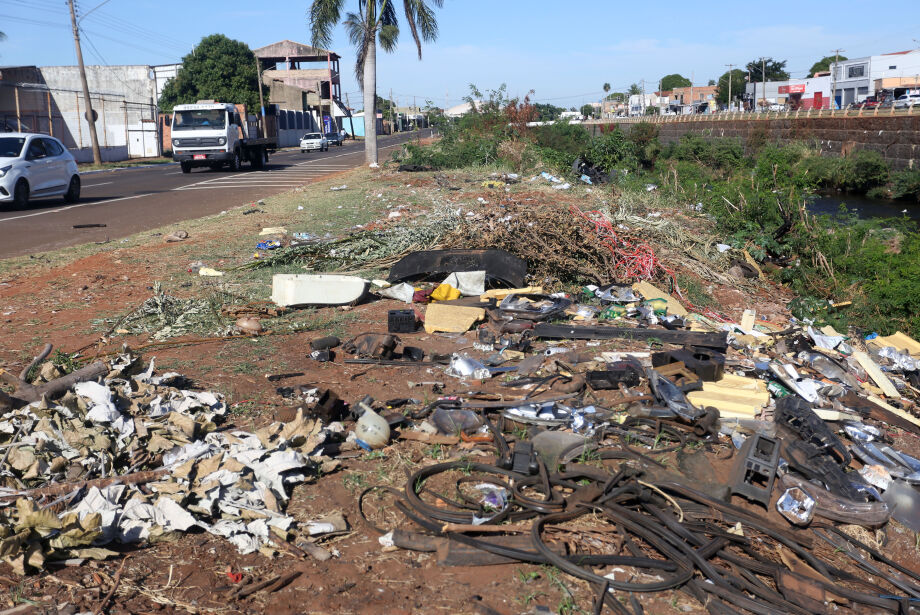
<point>243,408</point>
<point>244,368</point>
<point>435,451</point>
<point>355,481</point>
<point>693,290</point>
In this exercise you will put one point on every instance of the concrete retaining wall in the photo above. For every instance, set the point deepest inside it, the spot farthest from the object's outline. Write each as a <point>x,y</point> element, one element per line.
<point>896,138</point>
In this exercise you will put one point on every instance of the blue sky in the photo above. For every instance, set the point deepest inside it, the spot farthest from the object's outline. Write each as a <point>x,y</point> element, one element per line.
<point>562,52</point>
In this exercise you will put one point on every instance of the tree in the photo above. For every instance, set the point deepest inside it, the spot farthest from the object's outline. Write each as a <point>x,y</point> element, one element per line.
<point>634,89</point>
<point>546,112</point>
<point>669,82</point>
<point>738,81</point>
<point>711,82</point>
<point>824,64</point>
<point>218,68</point>
<point>586,111</point>
<point>606,88</point>
<point>774,70</point>
<point>374,23</point>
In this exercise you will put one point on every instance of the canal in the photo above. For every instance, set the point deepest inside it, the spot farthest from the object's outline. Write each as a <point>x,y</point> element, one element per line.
<point>863,206</point>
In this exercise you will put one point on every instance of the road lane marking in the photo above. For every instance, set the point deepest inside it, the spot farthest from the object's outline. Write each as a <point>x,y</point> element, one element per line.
<point>60,209</point>
<point>102,184</point>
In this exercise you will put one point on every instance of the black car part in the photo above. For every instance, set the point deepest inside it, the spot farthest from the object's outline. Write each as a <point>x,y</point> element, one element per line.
<point>755,468</point>
<point>498,265</point>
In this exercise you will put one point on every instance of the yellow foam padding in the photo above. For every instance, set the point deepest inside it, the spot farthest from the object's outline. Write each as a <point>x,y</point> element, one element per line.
<point>733,396</point>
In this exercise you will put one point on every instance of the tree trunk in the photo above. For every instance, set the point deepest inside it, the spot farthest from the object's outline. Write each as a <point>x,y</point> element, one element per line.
<point>370,103</point>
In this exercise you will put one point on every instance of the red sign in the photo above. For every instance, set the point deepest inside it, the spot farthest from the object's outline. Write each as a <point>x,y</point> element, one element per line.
<point>792,89</point>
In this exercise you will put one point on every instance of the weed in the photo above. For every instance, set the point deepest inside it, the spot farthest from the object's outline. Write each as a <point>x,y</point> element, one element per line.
<point>355,481</point>
<point>376,455</point>
<point>435,451</point>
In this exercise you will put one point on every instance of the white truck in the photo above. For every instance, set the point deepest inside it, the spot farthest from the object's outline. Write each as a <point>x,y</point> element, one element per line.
<point>213,134</point>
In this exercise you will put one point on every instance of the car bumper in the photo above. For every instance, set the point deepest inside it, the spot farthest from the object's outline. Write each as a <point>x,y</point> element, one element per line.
<point>6,188</point>
<point>311,146</point>
<point>210,157</point>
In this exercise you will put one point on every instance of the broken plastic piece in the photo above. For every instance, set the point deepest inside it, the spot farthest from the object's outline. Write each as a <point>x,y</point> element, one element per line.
<point>800,420</point>
<point>706,364</point>
<point>796,506</point>
<point>401,321</point>
<point>498,265</point>
<point>755,470</point>
<point>325,289</point>
<point>533,307</point>
<point>620,372</point>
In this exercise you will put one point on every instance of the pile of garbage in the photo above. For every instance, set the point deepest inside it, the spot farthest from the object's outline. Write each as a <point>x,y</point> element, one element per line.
<point>125,455</point>
<point>731,460</point>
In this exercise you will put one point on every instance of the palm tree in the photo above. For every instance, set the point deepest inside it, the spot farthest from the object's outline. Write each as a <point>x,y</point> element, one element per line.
<point>375,22</point>
<point>606,91</point>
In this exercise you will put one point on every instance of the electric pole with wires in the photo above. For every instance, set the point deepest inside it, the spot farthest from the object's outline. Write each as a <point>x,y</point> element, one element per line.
<point>90,114</point>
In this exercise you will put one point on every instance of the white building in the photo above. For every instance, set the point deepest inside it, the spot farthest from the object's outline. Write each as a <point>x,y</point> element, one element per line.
<point>861,77</point>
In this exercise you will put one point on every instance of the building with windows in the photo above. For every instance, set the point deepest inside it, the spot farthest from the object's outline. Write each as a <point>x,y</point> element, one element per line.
<point>854,80</point>
<point>792,94</point>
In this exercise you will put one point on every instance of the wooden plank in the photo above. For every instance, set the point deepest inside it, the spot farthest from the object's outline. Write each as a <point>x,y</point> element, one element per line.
<point>718,341</point>
<point>877,375</point>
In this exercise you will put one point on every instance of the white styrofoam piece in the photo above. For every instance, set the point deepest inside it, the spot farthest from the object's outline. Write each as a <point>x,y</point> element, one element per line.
<point>316,289</point>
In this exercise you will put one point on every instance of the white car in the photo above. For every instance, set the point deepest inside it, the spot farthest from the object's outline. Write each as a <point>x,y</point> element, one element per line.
<point>313,141</point>
<point>907,100</point>
<point>34,165</point>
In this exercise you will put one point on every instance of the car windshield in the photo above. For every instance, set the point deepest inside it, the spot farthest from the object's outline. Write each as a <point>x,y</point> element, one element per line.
<point>313,135</point>
<point>200,119</point>
<point>11,147</point>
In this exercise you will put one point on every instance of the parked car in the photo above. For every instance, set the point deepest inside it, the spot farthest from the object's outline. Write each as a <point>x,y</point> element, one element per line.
<point>335,138</point>
<point>33,165</point>
<point>907,100</point>
<point>313,141</point>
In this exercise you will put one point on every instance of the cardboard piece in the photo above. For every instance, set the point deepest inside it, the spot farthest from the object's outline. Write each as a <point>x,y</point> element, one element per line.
<point>748,319</point>
<point>899,341</point>
<point>877,375</point>
<point>650,291</point>
<point>734,396</point>
<point>451,318</point>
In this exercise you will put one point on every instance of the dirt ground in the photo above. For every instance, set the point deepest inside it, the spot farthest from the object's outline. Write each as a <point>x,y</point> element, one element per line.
<point>63,302</point>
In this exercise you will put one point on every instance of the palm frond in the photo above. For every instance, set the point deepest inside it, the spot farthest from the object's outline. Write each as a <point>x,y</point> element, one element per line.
<point>324,15</point>
<point>360,35</point>
<point>389,36</point>
<point>422,21</point>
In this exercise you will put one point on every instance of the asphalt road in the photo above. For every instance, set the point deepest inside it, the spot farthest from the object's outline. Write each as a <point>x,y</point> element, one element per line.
<point>128,201</point>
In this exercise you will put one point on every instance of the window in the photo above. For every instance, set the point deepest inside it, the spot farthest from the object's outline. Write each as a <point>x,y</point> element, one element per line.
<point>52,147</point>
<point>11,147</point>
<point>892,67</point>
<point>856,71</point>
<point>36,149</point>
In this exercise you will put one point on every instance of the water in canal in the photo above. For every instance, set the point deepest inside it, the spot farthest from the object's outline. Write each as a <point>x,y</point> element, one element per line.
<point>863,206</point>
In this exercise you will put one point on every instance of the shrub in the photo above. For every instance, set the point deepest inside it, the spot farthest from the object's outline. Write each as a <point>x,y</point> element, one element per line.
<point>562,137</point>
<point>611,150</point>
<point>863,170</point>
<point>906,184</point>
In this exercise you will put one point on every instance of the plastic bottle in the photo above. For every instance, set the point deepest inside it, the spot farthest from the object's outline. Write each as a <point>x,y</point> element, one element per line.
<point>371,429</point>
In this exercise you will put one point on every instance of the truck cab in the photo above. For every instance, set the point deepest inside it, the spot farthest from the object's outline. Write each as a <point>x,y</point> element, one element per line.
<point>213,134</point>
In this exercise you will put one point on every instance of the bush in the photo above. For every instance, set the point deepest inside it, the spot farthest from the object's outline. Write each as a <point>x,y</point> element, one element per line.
<point>644,137</point>
<point>562,137</point>
<point>863,170</point>
<point>906,184</point>
<point>611,150</point>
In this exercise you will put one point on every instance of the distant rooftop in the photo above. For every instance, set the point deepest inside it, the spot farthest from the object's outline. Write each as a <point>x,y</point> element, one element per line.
<point>289,51</point>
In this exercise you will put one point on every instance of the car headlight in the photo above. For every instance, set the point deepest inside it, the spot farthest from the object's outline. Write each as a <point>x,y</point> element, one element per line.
<point>222,141</point>
<point>5,170</point>
<point>177,142</point>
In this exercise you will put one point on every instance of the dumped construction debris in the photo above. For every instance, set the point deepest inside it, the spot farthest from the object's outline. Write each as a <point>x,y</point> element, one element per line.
<point>614,431</point>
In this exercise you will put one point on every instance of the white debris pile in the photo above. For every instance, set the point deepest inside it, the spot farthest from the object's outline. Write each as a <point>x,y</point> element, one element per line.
<point>136,458</point>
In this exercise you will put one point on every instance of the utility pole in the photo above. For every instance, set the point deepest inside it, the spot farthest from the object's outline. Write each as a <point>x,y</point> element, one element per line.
<point>392,113</point>
<point>837,53</point>
<point>90,118</point>
<point>642,105</point>
<point>261,100</point>
<point>763,76</point>
<point>660,105</point>
<point>351,118</point>
<point>730,67</point>
<point>692,75</point>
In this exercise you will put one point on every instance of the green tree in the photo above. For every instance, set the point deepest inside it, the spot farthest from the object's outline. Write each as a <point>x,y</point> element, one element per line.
<point>711,82</point>
<point>669,82</point>
<point>824,64</point>
<point>218,68</point>
<point>738,82</point>
<point>773,70</point>
<point>546,112</point>
<point>606,88</point>
<point>634,89</point>
<point>374,23</point>
<point>586,110</point>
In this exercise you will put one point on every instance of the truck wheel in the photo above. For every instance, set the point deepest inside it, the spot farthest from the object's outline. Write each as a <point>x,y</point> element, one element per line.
<point>235,161</point>
<point>259,159</point>
<point>186,167</point>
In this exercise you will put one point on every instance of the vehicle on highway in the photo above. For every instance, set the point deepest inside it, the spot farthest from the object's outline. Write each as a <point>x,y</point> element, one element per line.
<point>34,165</point>
<point>335,138</point>
<point>215,135</point>
<point>313,141</point>
<point>907,100</point>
